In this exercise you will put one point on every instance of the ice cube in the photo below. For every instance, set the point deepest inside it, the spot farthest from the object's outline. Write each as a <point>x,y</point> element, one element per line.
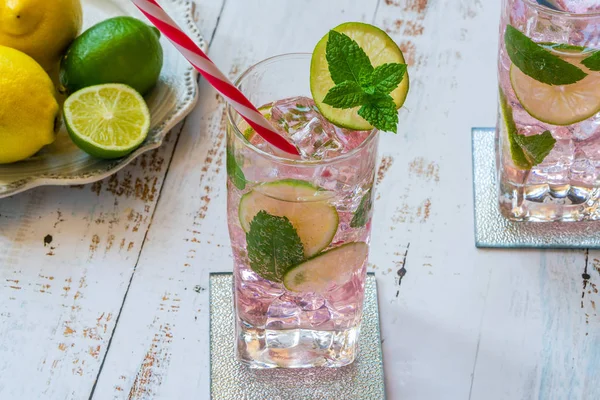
<point>586,129</point>
<point>576,6</point>
<point>291,115</point>
<point>317,140</point>
<point>298,119</point>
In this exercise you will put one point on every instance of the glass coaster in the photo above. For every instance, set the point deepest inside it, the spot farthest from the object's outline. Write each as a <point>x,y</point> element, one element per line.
<point>493,230</point>
<point>231,380</point>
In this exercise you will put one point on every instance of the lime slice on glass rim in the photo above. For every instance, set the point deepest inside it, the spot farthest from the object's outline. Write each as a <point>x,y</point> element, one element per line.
<point>334,266</point>
<point>303,204</point>
<point>379,47</point>
<point>560,105</point>
<point>107,121</point>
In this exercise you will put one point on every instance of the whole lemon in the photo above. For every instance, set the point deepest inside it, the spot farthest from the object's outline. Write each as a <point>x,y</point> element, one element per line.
<point>28,107</point>
<point>42,29</point>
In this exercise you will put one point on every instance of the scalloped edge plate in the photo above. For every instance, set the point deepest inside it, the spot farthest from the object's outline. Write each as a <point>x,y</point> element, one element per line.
<point>173,98</point>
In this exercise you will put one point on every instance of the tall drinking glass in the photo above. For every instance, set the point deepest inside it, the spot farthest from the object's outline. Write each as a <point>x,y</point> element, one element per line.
<point>548,135</point>
<point>299,227</point>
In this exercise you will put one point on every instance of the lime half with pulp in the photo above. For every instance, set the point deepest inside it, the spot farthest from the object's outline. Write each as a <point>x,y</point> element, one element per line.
<point>380,49</point>
<point>558,104</point>
<point>107,121</point>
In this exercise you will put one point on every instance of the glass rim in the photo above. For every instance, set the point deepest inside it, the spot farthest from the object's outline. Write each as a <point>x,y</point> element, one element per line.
<point>284,160</point>
<point>568,14</point>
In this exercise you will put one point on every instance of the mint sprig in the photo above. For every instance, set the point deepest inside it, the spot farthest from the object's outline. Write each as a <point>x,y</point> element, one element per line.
<point>359,84</point>
<point>273,246</point>
<point>536,62</point>
<point>526,151</point>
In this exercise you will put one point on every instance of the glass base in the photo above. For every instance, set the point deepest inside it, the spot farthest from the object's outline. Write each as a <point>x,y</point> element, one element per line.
<point>295,348</point>
<point>549,203</point>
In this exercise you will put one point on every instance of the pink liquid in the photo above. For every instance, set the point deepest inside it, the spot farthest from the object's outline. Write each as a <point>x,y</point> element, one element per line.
<point>279,327</point>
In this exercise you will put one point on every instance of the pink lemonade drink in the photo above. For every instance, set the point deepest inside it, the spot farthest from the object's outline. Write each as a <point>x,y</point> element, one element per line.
<point>300,226</point>
<point>321,205</point>
<point>548,136</point>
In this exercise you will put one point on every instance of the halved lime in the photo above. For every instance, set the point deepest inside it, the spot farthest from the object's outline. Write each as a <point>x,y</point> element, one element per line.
<point>107,121</point>
<point>315,220</point>
<point>380,49</point>
<point>558,105</point>
<point>335,266</point>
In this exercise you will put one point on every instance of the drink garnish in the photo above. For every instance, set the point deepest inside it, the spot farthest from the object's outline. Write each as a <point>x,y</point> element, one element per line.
<point>273,246</point>
<point>526,151</point>
<point>536,62</point>
<point>361,215</point>
<point>359,78</point>
<point>593,61</point>
<point>334,266</point>
<point>302,203</point>
<point>234,171</point>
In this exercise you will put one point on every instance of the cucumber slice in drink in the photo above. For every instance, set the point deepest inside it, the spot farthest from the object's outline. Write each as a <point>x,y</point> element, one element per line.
<point>558,105</point>
<point>333,266</point>
<point>303,204</point>
<point>380,49</point>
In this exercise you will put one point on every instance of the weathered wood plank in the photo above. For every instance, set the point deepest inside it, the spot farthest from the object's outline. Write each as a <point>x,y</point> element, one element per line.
<point>430,278</point>
<point>66,258</point>
<point>540,334</point>
<point>160,347</point>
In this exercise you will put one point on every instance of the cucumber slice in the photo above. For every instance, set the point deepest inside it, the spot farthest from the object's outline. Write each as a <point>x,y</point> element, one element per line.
<point>335,266</point>
<point>380,49</point>
<point>305,205</point>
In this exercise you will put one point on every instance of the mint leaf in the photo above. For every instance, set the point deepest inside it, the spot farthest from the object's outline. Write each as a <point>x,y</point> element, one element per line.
<point>534,61</point>
<point>273,246</point>
<point>381,112</point>
<point>347,60</point>
<point>234,171</point>
<point>347,94</point>
<point>536,147</point>
<point>593,61</point>
<point>361,216</point>
<point>561,46</point>
<point>387,77</point>
<point>526,151</point>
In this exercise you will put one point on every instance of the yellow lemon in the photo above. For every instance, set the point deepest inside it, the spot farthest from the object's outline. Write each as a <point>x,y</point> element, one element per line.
<point>28,107</point>
<point>42,29</point>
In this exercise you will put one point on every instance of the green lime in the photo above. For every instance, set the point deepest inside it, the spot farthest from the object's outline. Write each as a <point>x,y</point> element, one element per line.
<point>304,205</point>
<point>107,121</point>
<point>379,47</point>
<point>559,104</point>
<point>118,50</point>
<point>334,266</point>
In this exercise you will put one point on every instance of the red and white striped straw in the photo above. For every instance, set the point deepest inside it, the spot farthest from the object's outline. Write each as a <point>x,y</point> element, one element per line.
<point>211,73</point>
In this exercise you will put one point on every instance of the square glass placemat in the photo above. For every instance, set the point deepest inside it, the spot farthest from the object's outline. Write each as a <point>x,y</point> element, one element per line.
<point>231,380</point>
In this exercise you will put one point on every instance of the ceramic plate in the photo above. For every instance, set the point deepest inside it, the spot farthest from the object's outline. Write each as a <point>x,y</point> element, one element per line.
<point>62,163</point>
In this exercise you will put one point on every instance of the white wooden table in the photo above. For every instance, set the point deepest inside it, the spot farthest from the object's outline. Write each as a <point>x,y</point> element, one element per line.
<point>103,287</point>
